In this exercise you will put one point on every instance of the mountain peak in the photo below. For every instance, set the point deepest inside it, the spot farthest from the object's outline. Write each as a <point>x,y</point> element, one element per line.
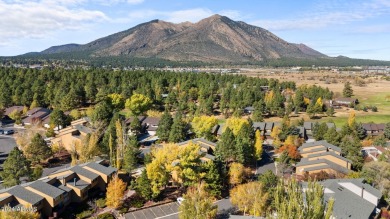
<point>214,39</point>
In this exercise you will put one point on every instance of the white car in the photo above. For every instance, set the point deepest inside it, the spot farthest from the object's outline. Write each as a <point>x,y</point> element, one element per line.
<point>180,200</point>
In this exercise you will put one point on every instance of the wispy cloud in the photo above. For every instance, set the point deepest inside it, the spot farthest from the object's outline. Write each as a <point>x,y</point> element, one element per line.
<point>329,13</point>
<point>37,19</point>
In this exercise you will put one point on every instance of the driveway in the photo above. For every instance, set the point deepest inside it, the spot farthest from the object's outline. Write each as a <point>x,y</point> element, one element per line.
<point>266,163</point>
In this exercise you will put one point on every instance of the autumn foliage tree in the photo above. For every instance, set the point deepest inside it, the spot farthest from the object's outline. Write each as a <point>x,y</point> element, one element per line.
<point>197,204</point>
<point>202,125</point>
<point>235,124</point>
<point>250,198</point>
<point>138,103</point>
<point>237,173</point>
<point>258,144</point>
<point>115,191</point>
<point>291,150</point>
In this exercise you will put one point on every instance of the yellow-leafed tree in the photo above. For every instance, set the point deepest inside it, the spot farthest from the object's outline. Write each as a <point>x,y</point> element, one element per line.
<point>352,119</point>
<point>19,214</point>
<point>198,204</point>
<point>115,191</point>
<point>250,198</point>
<point>237,173</point>
<point>235,124</point>
<point>203,124</point>
<point>160,168</point>
<point>258,144</point>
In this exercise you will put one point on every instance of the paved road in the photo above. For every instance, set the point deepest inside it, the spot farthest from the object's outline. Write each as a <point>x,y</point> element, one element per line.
<point>266,163</point>
<point>7,143</point>
<point>171,211</point>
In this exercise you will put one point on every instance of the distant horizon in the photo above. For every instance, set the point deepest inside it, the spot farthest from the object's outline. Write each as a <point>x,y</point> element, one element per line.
<point>355,29</point>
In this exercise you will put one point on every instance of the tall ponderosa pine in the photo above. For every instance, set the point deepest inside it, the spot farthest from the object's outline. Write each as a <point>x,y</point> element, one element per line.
<point>178,129</point>
<point>164,126</point>
<point>143,186</point>
<point>245,149</point>
<point>37,150</point>
<point>226,148</point>
<point>351,149</point>
<point>131,154</point>
<point>15,166</point>
<point>213,179</point>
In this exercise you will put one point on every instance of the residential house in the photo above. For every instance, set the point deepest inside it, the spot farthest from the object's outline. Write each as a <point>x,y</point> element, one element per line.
<point>207,148</point>
<point>149,125</point>
<point>374,129</point>
<point>269,126</point>
<point>353,198</point>
<point>50,195</point>
<point>73,134</point>
<point>11,109</point>
<point>36,116</point>
<point>259,126</point>
<point>373,152</point>
<point>321,156</point>
<point>345,101</point>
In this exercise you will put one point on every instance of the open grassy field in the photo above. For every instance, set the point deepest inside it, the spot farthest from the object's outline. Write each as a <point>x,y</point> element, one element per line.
<point>373,94</point>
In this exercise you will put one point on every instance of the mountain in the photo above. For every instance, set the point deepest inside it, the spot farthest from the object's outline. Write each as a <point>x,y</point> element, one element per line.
<point>213,39</point>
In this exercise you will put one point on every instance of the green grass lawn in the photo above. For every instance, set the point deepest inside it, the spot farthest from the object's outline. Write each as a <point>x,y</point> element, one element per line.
<point>375,118</point>
<point>378,100</point>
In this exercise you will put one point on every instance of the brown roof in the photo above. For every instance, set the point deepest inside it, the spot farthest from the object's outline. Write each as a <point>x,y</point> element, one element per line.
<point>12,108</point>
<point>151,120</point>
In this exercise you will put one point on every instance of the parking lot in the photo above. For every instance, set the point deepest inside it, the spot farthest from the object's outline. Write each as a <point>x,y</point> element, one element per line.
<point>167,211</point>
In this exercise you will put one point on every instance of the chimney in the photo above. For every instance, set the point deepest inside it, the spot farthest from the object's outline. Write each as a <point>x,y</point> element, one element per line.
<point>63,181</point>
<point>74,181</point>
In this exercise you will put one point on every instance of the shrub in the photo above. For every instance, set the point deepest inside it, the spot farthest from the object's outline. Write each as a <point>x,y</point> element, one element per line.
<point>137,202</point>
<point>84,214</point>
<point>364,108</point>
<point>105,216</point>
<point>101,203</point>
<point>374,109</point>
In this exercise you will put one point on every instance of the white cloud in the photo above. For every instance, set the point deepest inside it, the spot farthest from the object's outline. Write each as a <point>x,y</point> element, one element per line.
<point>37,19</point>
<point>330,13</point>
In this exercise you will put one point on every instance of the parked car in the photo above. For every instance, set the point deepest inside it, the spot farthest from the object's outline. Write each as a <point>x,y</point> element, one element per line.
<point>9,132</point>
<point>1,132</point>
<point>180,200</point>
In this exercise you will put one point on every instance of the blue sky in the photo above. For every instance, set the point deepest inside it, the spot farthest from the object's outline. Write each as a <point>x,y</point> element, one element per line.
<point>354,28</point>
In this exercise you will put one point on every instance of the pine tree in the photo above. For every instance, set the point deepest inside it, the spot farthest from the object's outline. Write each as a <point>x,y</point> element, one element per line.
<point>131,154</point>
<point>177,132</point>
<point>135,126</point>
<point>347,91</point>
<point>143,186</point>
<point>164,126</point>
<point>226,147</point>
<point>360,131</point>
<point>386,132</point>
<point>37,150</point>
<point>351,149</point>
<point>15,166</point>
<point>213,179</point>
<point>245,149</point>
<point>332,136</point>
